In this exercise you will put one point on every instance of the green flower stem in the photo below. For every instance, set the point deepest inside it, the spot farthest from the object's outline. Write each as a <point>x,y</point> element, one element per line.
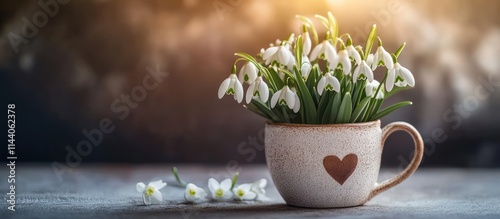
<point>179,180</point>
<point>233,181</point>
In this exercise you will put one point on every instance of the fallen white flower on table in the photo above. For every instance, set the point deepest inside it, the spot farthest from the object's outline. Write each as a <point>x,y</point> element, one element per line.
<point>258,187</point>
<point>243,192</point>
<point>220,192</point>
<point>151,192</point>
<point>194,193</point>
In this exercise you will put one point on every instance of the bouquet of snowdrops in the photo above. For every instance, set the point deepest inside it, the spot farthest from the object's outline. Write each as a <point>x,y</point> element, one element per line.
<point>289,83</point>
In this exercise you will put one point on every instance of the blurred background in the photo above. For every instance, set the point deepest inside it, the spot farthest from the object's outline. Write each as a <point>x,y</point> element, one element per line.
<point>69,66</point>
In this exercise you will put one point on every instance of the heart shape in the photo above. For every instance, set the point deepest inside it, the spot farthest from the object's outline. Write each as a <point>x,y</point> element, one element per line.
<point>340,170</point>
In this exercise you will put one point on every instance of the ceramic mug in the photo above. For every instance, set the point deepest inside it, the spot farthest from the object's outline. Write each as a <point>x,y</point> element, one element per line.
<point>327,166</point>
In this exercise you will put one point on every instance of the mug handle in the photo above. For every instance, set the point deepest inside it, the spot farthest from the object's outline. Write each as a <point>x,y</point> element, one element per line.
<point>417,156</point>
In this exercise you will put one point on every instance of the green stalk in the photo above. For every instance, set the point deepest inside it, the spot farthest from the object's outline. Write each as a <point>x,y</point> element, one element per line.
<point>178,178</point>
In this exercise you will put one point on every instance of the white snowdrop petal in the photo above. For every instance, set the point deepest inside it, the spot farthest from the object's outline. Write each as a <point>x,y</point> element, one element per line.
<point>212,184</point>
<point>306,46</point>
<point>238,91</point>
<point>269,52</point>
<point>249,196</point>
<point>250,92</point>
<point>283,56</point>
<point>263,91</point>
<point>146,199</point>
<point>296,108</point>
<point>290,98</point>
<point>356,73</point>
<point>226,184</point>
<point>158,184</point>
<point>389,82</point>
<point>321,85</point>
<point>223,87</point>
<point>157,196</point>
<point>275,98</point>
<point>335,83</point>
<point>315,53</point>
<point>388,60</point>
<point>407,76</point>
<point>140,187</point>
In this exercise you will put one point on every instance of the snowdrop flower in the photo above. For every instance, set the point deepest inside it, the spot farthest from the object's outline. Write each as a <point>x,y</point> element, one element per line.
<point>399,73</point>
<point>382,57</point>
<point>220,192</point>
<point>281,54</point>
<point>258,187</point>
<point>151,191</point>
<point>371,88</point>
<point>328,82</point>
<point>305,69</point>
<point>306,45</point>
<point>325,48</point>
<point>259,89</point>
<point>285,96</point>
<point>344,61</point>
<point>248,73</point>
<point>194,193</point>
<point>231,86</point>
<point>243,192</point>
<point>369,59</point>
<point>363,69</point>
<point>353,53</point>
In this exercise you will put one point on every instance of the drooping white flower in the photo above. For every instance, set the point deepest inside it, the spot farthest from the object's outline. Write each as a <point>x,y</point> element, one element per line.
<point>220,192</point>
<point>259,89</point>
<point>285,96</point>
<point>258,187</point>
<point>305,69</point>
<point>325,48</point>
<point>371,88</point>
<point>382,57</point>
<point>306,45</point>
<point>344,61</point>
<point>400,74</point>
<point>281,54</point>
<point>248,73</point>
<point>353,53</point>
<point>243,192</point>
<point>369,59</point>
<point>363,69</point>
<point>151,192</point>
<point>194,193</point>
<point>232,86</point>
<point>328,82</point>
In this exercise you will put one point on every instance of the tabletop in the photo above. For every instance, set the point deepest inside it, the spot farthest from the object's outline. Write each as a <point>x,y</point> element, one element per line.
<point>109,191</point>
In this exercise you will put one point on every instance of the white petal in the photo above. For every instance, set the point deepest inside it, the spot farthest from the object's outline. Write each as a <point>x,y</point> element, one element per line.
<point>146,199</point>
<point>223,88</point>
<point>249,196</point>
<point>226,184</point>
<point>306,47</point>
<point>252,72</point>
<point>369,59</point>
<point>238,91</point>
<point>227,195</point>
<point>330,53</point>
<point>290,98</point>
<point>250,92</point>
<point>140,187</point>
<point>283,56</point>
<point>158,184</point>
<point>368,72</point>
<point>334,82</point>
<point>315,52</point>
<point>269,52</point>
<point>375,61</point>
<point>157,196</point>
<point>356,72</point>
<point>275,98</point>
<point>368,89</point>
<point>388,60</point>
<point>354,54</point>
<point>213,185</point>
<point>389,82</point>
<point>296,108</point>
<point>305,70</point>
<point>346,65</point>
<point>321,85</point>
<point>407,76</point>
<point>263,91</point>
<point>241,75</point>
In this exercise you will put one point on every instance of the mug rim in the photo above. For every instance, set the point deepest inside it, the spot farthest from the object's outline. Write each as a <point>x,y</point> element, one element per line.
<point>359,124</point>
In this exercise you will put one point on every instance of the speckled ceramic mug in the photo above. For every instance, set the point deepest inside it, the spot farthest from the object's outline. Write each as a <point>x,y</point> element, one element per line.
<point>328,166</point>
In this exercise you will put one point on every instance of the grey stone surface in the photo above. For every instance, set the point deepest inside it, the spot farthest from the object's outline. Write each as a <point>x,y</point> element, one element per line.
<point>108,191</point>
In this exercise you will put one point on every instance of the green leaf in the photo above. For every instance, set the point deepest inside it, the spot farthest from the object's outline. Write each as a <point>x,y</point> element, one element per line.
<point>263,108</point>
<point>255,110</point>
<point>400,50</point>
<point>275,78</point>
<point>369,41</point>
<point>323,103</point>
<point>335,109</point>
<point>361,106</point>
<point>345,109</point>
<point>390,109</point>
<point>308,104</point>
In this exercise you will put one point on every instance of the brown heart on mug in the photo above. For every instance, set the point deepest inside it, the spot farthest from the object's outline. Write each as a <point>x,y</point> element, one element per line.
<point>340,170</point>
